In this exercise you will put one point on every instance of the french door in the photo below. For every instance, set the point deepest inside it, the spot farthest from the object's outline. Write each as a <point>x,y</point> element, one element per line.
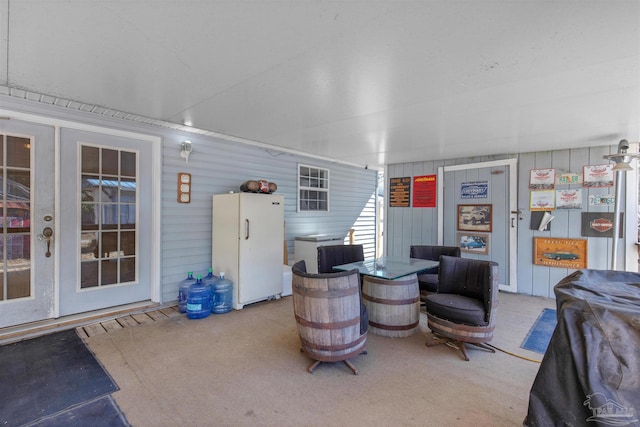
<point>104,228</point>
<point>77,240</point>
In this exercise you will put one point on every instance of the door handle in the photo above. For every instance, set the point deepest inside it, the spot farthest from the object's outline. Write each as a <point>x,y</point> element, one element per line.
<point>47,232</point>
<point>246,229</point>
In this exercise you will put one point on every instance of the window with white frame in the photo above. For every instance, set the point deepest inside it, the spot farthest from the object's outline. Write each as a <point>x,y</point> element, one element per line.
<point>313,189</point>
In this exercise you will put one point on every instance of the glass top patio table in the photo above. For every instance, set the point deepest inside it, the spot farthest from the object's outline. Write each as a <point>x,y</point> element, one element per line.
<point>389,267</point>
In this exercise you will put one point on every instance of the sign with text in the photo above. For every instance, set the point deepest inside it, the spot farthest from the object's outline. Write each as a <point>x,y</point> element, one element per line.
<point>562,253</point>
<point>569,178</point>
<point>598,176</point>
<point>474,190</point>
<point>399,192</point>
<point>424,191</point>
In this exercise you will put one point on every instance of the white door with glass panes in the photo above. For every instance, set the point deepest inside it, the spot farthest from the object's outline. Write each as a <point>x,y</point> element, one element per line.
<point>27,258</point>
<point>105,221</point>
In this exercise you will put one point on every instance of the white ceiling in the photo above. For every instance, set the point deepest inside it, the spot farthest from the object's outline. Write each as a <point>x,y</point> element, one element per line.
<point>364,82</point>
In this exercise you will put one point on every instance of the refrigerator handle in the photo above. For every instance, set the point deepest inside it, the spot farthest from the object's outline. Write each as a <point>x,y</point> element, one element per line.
<point>246,229</point>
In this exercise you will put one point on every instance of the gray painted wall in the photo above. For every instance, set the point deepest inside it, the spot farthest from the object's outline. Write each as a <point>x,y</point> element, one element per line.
<point>408,226</point>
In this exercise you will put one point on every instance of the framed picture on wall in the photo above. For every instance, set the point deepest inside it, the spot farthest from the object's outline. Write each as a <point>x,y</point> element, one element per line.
<point>474,218</point>
<point>562,253</point>
<point>473,243</point>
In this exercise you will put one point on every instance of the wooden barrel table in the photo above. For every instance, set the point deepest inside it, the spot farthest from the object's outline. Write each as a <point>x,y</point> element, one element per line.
<point>327,312</point>
<point>393,305</point>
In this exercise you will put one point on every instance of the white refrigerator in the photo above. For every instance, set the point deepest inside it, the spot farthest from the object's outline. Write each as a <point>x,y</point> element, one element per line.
<point>247,236</point>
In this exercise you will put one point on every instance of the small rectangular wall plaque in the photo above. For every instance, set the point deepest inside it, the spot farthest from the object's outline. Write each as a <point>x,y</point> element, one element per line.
<point>184,187</point>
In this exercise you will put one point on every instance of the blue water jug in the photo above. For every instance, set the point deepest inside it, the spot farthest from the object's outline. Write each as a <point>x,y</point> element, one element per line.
<point>183,291</point>
<point>210,279</point>
<point>199,300</point>
<point>222,295</point>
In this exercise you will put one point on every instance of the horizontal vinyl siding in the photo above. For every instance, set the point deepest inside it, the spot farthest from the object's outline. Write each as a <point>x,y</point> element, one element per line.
<point>219,166</point>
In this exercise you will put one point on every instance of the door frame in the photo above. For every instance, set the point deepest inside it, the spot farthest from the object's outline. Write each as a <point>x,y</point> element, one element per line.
<point>512,165</point>
<point>156,150</point>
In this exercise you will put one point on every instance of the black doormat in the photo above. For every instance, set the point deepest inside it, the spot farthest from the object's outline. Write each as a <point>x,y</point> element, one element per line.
<point>102,412</point>
<point>48,375</point>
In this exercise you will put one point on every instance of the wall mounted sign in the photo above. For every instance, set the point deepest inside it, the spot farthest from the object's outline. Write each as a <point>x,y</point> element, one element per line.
<point>424,191</point>
<point>569,199</point>
<point>474,190</point>
<point>562,253</point>
<point>600,224</point>
<point>542,179</point>
<point>474,218</point>
<point>542,200</point>
<point>602,200</point>
<point>598,176</point>
<point>473,243</point>
<point>400,192</point>
<point>569,178</point>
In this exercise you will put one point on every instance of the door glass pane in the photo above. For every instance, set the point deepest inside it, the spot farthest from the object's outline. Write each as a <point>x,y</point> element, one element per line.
<point>90,188</point>
<point>89,274</point>
<point>109,272</point>
<point>109,190</point>
<point>128,243</point>
<point>108,208</point>
<point>109,162</point>
<point>128,190</point>
<point>109,217</point>
<point>18,152</point>
<point>127,216</point>
<point>127,164</point>
<point>90,159</point>
<point>109,247</point>
<point>18,184</point>
<point>127,270</point>
<point>89,216</point>
<point>89,245</point>
<point>19,263</point>
<point>17,218</point>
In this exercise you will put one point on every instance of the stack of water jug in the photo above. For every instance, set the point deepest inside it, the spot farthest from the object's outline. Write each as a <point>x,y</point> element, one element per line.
<point>198,297</point>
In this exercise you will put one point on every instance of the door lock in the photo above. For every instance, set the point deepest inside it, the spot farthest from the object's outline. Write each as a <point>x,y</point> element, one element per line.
<point>47,232</point>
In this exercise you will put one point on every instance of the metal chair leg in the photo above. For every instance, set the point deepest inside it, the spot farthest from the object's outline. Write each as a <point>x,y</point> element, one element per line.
<point>313,366</point>
<point>351,366</point>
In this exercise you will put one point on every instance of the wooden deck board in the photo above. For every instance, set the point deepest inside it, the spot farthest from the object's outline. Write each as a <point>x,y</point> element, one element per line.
<point>111,325</point>
<point>127,322</point>
<point>94,329</point>
<point>170,312</point>
<point>157,315</point>
<point>142,318</point>
<point>81,332</point>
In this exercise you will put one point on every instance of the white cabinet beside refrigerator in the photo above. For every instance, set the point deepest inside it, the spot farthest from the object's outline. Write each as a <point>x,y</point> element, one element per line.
<point>247,235</point>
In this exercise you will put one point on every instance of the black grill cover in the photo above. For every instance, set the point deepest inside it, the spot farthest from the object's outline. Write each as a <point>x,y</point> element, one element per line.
<point>590,373</point>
